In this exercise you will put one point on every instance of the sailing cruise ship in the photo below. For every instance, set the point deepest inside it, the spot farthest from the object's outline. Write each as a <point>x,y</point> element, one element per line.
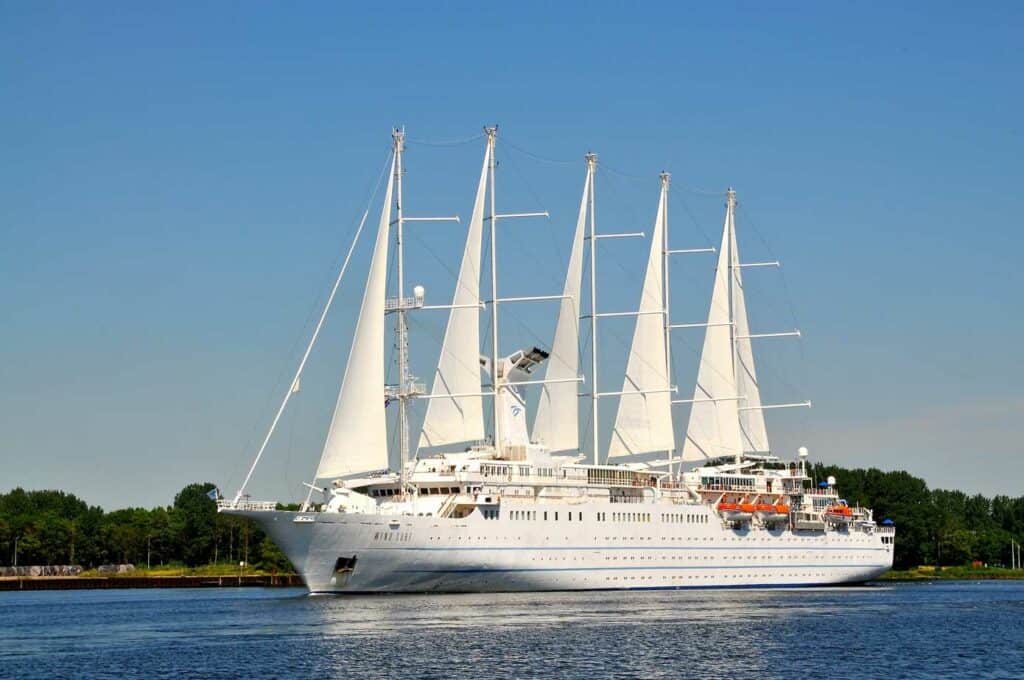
<point>523,508</point>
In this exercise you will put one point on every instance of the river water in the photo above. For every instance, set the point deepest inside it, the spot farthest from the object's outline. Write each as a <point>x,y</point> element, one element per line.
<point>964,629</point>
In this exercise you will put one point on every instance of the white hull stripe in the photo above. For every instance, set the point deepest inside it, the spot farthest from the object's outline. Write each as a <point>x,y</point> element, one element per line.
<point>485,570</point>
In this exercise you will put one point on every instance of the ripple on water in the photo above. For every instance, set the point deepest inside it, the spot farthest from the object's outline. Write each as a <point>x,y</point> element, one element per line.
<point>962,629</point>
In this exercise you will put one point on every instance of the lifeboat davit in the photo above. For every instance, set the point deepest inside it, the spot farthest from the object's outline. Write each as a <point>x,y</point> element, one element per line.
<point>839,514</point>
<point>736,512</point>
<point>773,513</point>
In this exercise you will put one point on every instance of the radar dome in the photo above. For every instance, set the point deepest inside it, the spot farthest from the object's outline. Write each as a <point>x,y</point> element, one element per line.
<point>802,452</point>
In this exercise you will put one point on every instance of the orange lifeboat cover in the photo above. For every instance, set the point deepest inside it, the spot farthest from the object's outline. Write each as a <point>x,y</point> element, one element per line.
<point>747,507</point>
<point>728,506</point>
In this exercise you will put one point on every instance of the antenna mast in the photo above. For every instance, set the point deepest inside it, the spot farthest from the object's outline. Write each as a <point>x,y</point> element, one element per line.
<point>591,166</point>
<point>401,331</point>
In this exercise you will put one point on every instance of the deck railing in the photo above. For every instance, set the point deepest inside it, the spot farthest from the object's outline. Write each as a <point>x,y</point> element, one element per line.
<point>225,504</point>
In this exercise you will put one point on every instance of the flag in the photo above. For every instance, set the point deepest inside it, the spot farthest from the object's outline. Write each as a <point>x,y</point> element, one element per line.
<point>296,386</point>
<point>213,494</point>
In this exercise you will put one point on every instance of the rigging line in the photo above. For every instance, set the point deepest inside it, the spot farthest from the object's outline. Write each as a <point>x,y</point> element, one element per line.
<point>610,188</point>
<point>703,192</point>
<point>625,175</point>
<point>316,333</point>
<point>790,308</point>
<point>555,251</point>
<point>785,287</point>
<point>505,142</point>
<point>288,459</point>
<point>445,142</point>
<point>484,244</point>
<point>678,200</point>
<point>675,185</point>
<point>455,276</point>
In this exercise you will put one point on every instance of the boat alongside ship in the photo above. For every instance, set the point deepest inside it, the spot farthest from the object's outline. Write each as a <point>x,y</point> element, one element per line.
<point>524,508</point>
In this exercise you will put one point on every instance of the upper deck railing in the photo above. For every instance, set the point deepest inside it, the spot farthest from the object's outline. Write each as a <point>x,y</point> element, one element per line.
<point>225,504</point>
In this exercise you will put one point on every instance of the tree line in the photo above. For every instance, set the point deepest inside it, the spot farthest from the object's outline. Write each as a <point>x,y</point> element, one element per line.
<point>933,526</point>
<point>54,527</point>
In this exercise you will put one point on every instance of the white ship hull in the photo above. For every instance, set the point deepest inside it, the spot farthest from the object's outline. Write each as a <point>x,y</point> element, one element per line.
<point>516,509</point>
<point>430,554</point>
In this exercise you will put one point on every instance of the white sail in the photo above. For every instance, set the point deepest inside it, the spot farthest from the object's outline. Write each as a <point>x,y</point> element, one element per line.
<point>644,419</point>
<point>751,417</point>
<point>713,429</point>
<point>357,439</point>
<point>455,418</point>
<point>556,422</point>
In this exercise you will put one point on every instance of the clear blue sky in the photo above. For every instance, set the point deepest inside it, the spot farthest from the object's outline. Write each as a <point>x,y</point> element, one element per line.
<point>178,183</point>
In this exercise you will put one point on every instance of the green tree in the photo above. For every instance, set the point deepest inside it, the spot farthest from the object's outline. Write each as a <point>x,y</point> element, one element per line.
<point>194,516</point>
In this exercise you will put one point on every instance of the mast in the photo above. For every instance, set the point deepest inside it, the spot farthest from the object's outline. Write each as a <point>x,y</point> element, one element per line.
<point>407,388</point>
<point>730,209</point>
<point>591,166</point>
<point>401,338</point>
<point>666,178</point>
<point>492,133</point>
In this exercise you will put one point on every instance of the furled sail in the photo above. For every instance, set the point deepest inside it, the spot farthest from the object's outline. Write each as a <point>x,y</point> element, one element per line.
<point>751,417</point>
<point>713,429</point>
<point>357,439</point>
<point>556,422</point>
<point>644,419</point>
<point>455,413</point>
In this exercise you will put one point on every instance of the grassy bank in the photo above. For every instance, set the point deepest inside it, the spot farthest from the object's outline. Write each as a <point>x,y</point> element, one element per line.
<point>177,570</point>
<point>925,573</point>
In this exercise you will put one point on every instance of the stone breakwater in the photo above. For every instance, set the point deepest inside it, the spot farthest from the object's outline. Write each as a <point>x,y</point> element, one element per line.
<point>39,570</point>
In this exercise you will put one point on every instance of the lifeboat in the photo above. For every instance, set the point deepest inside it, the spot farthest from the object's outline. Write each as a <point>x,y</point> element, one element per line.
<point>773,513</point>
<point>736,512</point>
<point>839,514</point>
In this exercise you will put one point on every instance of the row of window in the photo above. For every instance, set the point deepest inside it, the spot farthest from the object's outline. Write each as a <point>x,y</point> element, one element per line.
<point>629,516</point>
<point>532,514</point>
<point>687,518</point>
<point>620,477</point>
<point>425,491</point>
<point>727,482</point>
<point>508,470</point>
<point>669,518</point>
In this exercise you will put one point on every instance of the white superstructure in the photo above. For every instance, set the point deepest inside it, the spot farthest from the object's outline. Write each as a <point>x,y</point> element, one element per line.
<point>518,509</point>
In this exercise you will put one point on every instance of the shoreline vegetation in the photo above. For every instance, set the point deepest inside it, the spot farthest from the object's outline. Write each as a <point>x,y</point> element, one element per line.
<point>928,573</point>
<point>940,534</point>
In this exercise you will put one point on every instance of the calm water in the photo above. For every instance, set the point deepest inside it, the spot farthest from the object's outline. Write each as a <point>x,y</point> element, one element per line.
<point>914,630</point>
